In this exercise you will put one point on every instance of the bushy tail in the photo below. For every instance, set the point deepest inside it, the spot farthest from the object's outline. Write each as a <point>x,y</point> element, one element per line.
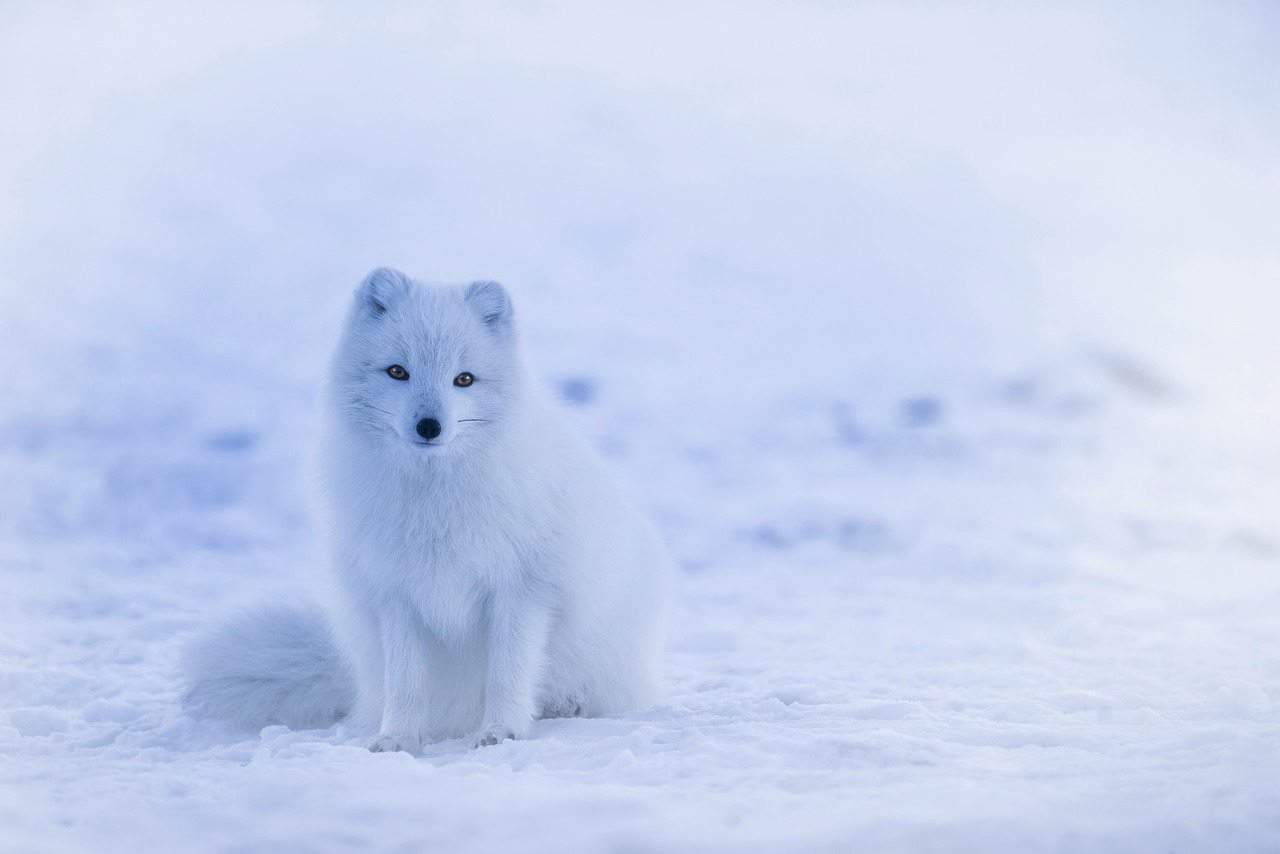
<point>279,665</point>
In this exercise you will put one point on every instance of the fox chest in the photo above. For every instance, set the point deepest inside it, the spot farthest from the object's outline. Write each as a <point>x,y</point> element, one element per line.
<point>450,569</point>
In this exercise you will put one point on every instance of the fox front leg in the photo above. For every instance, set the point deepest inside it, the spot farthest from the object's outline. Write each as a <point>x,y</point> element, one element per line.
<point>404,710</point>
<point>517,645</point>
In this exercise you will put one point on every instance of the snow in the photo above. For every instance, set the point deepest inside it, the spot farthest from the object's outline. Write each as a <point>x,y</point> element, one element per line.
<point>939,342</point>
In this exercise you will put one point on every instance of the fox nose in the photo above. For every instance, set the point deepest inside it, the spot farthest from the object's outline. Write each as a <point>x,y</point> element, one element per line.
<point>428,428</point>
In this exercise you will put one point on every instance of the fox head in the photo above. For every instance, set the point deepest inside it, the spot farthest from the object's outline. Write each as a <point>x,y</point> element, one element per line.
<point>430,369</point>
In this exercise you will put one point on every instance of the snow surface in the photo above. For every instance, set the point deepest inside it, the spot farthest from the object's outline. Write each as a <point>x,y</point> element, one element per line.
<point>940,343</point>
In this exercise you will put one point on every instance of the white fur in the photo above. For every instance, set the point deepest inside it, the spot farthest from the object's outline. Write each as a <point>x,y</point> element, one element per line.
<point>276,665</point>
<point>487,577</point>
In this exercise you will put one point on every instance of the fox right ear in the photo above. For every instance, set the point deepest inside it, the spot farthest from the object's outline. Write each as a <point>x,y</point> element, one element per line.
<point>382,288</point>
<point>492,302</point>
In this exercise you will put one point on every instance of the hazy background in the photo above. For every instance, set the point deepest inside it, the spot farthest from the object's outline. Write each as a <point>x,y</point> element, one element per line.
<point>906,190</point>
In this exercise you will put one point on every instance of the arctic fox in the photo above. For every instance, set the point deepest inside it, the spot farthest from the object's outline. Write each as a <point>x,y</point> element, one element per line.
<point>488,572</point>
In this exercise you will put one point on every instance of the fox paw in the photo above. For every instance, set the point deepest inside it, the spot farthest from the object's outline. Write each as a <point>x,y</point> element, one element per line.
<point>493,735</point>
<point>394,743</point>
<point>566,707</point>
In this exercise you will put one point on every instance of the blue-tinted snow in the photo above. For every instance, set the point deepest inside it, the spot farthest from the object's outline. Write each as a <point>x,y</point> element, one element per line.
<point>938,341</point>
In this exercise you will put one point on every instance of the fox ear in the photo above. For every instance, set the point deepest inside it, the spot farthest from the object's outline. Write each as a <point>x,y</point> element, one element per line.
<point>382,288</point>
<point>491,302</point>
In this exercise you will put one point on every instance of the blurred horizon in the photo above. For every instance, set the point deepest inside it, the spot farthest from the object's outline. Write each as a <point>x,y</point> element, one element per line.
<point>909,192</point>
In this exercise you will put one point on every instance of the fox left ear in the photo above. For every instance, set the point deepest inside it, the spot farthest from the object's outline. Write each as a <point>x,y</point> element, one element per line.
<point>491,301</point>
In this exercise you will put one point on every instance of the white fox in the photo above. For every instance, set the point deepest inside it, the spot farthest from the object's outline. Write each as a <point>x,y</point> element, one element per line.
<point>488,571</point>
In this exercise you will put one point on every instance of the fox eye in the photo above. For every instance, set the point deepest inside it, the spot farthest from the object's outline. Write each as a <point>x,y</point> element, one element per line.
<point>397,373</point>
<point>463,379</point>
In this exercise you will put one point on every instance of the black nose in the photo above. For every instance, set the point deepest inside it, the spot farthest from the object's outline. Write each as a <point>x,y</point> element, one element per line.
<point>428,428</point>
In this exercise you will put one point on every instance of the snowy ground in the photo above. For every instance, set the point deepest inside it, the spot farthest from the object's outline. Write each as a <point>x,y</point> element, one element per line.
<point>939,343</point>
